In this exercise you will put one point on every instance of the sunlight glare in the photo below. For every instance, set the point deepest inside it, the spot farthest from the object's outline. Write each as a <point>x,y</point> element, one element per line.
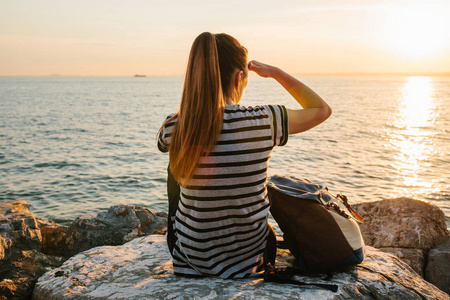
<point>412,137</point>
<point>416,31</point>
<point>417,105</point>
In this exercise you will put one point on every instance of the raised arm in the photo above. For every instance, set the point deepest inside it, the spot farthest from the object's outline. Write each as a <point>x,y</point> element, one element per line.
<point>315,109</point>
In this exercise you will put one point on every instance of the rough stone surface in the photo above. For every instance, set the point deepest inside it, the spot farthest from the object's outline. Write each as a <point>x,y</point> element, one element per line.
<point>55,240</point>
<point>438,268</point>
<point>142,269</point>
<point>404,227</point>
<point>29,246</point>
<point>402,223</point>
<point>152,222</point>
<point>18,229</point>
<point>26,268</point>
<point>55,237</point>
<point>120,224</point>
<point>415,258</point>
<point>21,263</point>
<point>42,222</point>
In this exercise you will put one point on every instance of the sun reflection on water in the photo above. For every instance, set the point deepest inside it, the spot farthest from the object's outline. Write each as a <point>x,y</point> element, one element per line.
<point>411,137</point>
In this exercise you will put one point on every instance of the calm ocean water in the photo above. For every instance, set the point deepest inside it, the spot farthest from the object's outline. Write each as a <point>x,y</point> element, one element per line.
<point>73,146</point>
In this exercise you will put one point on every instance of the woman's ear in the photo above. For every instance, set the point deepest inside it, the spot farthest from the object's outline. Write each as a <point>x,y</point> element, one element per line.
<point>238,78</point>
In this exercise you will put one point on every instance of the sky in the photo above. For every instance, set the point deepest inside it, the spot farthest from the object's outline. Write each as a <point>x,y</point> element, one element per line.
<point>123,38</point>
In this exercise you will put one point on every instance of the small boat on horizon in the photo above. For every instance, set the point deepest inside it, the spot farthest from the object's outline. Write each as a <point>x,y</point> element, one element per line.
<point>137,75</point>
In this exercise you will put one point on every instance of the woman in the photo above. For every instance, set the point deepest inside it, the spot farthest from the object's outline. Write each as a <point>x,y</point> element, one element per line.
<point>219,153</point>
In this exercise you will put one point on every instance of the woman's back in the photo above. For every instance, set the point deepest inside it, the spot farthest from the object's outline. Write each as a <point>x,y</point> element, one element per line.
<point>221,221</point>
<point>219,153</point>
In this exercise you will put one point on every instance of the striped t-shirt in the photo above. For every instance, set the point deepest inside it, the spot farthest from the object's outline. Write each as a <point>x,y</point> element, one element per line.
<point>221,222</point>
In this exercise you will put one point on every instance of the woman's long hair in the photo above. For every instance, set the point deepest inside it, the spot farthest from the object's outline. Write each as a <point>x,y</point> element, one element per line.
<point>208,83</point>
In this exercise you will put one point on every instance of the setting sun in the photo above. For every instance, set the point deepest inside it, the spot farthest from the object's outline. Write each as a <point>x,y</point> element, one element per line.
<point>416,31</point>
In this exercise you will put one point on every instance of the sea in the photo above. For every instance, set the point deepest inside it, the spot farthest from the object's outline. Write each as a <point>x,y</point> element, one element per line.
<point>74,146</point>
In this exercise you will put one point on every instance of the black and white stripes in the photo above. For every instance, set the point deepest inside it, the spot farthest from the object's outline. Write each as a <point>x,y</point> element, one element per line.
<point>221,221</point>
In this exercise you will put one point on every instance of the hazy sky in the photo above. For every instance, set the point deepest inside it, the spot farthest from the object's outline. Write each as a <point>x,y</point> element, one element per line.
<point>89,37</point>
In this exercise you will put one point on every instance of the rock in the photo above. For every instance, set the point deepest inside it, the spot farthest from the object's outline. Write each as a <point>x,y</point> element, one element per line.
<point>5,247</point>
<point>151,222</point>
<point>405,227</point>
<point>21,230</point>
<point>402,223</point>
<point>23,236</point>
<point>115,227</point>
<point>18,230</point>
<point>21,263</point>
<point>54,237</point>
<point>438,268</point>
<point>415,258</point>
<point>24,271</point>
<point>142,269</point>
<point>55,240</point>
<point>120,224</point>
<point>45,222</point>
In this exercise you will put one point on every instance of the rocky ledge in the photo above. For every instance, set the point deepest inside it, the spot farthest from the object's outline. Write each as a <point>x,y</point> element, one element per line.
<point>142,269</point>
<point>29,247</point>
<point>413,230</point>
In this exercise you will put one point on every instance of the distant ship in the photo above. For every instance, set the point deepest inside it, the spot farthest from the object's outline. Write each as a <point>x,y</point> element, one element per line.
<point>137,75</point>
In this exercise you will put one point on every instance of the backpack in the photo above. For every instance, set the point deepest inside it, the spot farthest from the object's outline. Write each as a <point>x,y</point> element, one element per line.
<point>319,229</point>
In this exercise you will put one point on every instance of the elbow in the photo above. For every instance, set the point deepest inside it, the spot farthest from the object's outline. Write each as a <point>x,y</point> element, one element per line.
<point>327,112</point>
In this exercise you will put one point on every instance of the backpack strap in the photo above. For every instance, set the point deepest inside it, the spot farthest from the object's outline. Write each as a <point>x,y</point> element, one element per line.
<point>286,276</point>
<point>344,200</point>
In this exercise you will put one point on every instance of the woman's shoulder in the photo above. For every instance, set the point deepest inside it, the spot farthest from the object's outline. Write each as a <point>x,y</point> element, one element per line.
<point>259,110</point>
<point>172,116</point>
<point>240,109</point>
<point>170,120</point>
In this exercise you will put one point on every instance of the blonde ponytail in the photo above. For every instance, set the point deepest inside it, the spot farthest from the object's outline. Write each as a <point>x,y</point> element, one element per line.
<point>201,109</point>
<point>212,62</point>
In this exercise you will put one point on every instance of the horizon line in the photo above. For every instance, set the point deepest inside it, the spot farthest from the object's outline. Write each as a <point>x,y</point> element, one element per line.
<point>337,74</point>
